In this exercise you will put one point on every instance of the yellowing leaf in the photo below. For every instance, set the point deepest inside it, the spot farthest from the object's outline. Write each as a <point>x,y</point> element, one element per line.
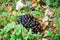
<point>55,30</point>
<point>2,6</point>
<point>35,3</point>
<point>10,20</point>
<point>8,9</point>
<point>54,25</point>
<point>13,12</point>
<point>45,25</point>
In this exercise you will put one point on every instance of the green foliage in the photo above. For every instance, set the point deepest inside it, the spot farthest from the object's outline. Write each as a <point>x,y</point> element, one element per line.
<point>37,12</point>
<point>17,33</point>
<point>57,36</point>
<point>53,36</point>
<point>58,24</point>
<point>1,10</point>
<point>50,34</point>
<point>58,20</point>
<point>7,1</point>
<point>53,3</point>
<point>6,18</point>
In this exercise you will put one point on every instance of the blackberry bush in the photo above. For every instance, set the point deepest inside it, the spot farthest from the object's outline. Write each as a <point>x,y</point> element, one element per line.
<point>28,21</point>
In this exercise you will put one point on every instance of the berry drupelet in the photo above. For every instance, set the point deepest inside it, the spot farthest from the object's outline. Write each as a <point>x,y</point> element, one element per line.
<point>28,21</point>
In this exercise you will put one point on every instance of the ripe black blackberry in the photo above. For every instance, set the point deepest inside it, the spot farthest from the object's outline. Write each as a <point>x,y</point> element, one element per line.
<point>29,21</point>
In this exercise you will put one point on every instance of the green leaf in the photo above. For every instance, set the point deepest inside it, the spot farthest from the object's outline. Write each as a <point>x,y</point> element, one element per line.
<point>57,36</point>
<point>30,31</point>
<point>12,38</point>
<point>50,34</point>
<point>48,2</point>
<point>8,27</point>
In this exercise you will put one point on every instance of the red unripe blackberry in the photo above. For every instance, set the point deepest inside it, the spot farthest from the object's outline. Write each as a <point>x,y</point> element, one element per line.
<point>28,21</point>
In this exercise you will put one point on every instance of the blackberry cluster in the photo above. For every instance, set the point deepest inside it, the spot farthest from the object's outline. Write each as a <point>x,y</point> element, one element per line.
<point>29,21</point>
